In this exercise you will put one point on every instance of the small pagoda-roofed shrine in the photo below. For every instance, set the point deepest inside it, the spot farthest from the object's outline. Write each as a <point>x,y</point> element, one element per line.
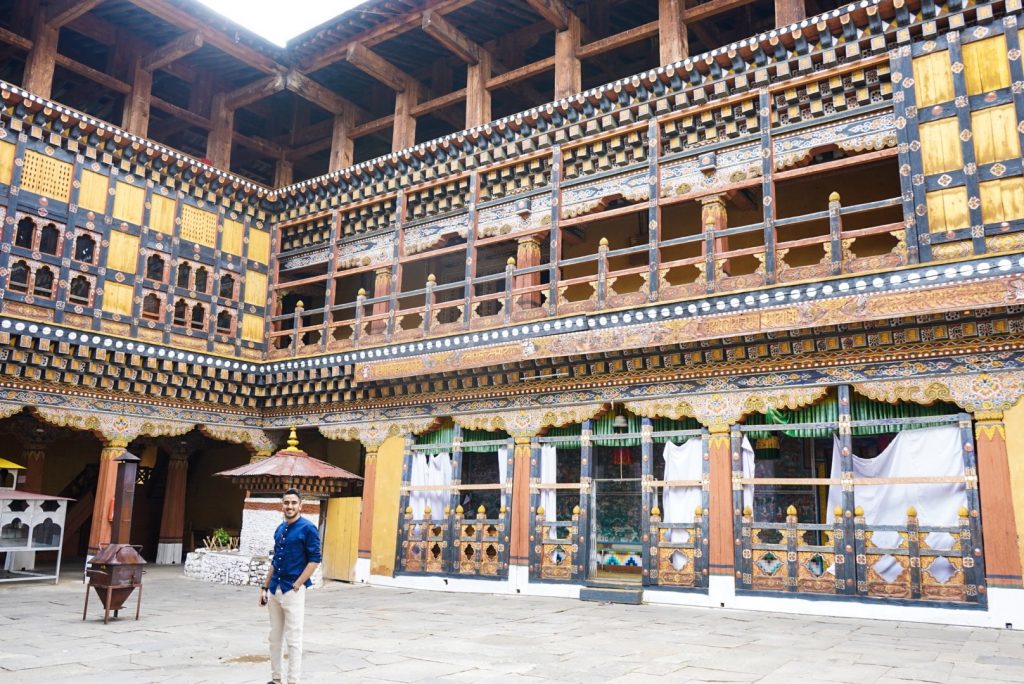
<point>266,481</point>
<point>291,467</point>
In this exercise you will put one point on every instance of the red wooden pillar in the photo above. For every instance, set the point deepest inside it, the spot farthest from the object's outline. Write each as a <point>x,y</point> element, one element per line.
<point>998,524</point>
<point>366,516</point>
<point>519,548</point>
<point>381,289</point>
<point>106,484</point>
<point>720,501</point>
<point>35,458</point>
<point>172,520</point>
<point>527,256</point>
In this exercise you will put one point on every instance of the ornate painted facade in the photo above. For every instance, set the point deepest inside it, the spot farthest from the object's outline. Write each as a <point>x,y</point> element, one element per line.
<point>823,214</point>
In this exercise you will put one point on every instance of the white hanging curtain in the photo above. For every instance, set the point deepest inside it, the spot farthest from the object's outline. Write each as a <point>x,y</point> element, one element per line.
<point>439,473</point>
<point>503,457</point>
<point>682,462</point>
<point>929,452</point>
<point>548,475</point>
<point>747,462</point>
<point>417,478</point>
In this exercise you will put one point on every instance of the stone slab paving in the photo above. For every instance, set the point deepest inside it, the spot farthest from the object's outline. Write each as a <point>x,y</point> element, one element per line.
<point>195,632</point>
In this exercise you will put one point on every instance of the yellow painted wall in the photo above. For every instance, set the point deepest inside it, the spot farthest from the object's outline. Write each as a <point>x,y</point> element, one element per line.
<point>385,506</point>
<point>1014,421</point>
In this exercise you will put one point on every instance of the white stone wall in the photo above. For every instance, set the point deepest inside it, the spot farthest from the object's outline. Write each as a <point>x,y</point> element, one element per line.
<point>257,536</point>
<point>248,565</point>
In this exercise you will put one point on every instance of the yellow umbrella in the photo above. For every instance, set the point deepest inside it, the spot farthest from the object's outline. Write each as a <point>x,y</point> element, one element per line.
<point>9,465</point>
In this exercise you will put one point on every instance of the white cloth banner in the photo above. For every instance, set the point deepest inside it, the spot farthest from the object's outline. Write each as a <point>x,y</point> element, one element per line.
<point>417,478</point>
<point>548,475</point>
<point>929,452</point>
<point>678,504</point>
<point>429,471</point>
<point>503,457</point>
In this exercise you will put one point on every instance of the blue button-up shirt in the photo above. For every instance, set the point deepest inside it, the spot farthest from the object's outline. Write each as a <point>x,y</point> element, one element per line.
<point>295,545</point>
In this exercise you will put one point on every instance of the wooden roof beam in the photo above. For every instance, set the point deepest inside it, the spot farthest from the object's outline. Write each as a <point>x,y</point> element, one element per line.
<point>172,14</point>
<point>320,95</point>
<point>379,68</point>
<point>554,12</point>
<point>254,91</point>
<point>171,52</point>
<point>60,13</point>
<point>380,33</point>
<point>445,33</point>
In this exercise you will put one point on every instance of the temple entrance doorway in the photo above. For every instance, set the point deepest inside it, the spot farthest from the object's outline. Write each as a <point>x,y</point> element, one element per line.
<point>617,552</point>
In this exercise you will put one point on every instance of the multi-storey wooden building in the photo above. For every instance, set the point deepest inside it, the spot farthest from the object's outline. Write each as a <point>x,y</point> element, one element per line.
<point>535,243</point>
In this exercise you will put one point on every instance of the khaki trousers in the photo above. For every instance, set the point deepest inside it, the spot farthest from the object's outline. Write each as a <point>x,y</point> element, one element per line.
<point>287,611</point>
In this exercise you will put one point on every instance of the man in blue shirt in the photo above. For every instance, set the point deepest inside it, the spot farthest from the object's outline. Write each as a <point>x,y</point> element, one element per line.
<point>296,557</point>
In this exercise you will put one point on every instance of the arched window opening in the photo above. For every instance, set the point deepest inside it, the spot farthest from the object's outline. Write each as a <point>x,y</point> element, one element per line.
<point>198,314</point>
<point>180,311</point>
<point>44,283</point>
<point>227,287</point>
<point>202,276</point>
<point>18,281</point>
<point>25,234</point>
<point>224,322</point>
<point>151,307</point>
<point>49,239</point>
<point>155,267</point>
<point>80,288</point>
<point>85,248</point>
<point>184,274</point>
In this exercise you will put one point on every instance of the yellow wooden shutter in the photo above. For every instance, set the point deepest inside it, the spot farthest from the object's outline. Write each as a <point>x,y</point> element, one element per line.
<point>123,252</point>
<point>933,80</point>
<point>1002,200</point>
<point>940,146</point>
<point>129,202</point>
<point>259,246</point>
<point>92,192</point>
<point>985,65</point>
<point>7,151</point>
<point>252,328</point>
<point>947,210</point>
<point>117,298</point>
<point>255,288</point>
<point>995,134</point>
<point>231,237</point>
<point>161,214</point>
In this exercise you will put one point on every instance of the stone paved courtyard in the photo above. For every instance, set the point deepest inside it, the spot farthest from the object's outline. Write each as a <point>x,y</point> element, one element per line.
<point>196,632</point>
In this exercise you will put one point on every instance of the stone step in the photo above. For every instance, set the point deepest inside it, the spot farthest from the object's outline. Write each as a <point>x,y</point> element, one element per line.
<point>632,597</point>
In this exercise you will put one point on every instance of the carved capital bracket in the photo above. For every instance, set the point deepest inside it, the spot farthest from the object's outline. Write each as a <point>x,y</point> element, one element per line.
<point>526,423</point>
<point>252,439</point>
<point>9,409</point>
<point>719,410</point>
<point>110,427</point>
<point>373,433</point>
<point>980,393</point>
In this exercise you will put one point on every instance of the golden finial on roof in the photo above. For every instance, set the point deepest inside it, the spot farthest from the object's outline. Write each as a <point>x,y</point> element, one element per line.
<point>791,510</point>
<point>911,512</point>
<point>293,441</point>
<point>459,509</point>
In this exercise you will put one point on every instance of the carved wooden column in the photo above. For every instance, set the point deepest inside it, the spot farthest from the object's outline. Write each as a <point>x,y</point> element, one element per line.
<point>42,58</point>
<point>106,483</point>
<point>789,12</point>
<point>34,456</point>
<point>527,256</point>
<point>673,43</point>
<point>366,515</point>
<point>999,527</point>
<point>715,217</point>
<point>172,520</point>
<point>568,71</point>
<point>519,549</point>
<point>478,98</point>
<point>720,501</point>
<point>381,289</point>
